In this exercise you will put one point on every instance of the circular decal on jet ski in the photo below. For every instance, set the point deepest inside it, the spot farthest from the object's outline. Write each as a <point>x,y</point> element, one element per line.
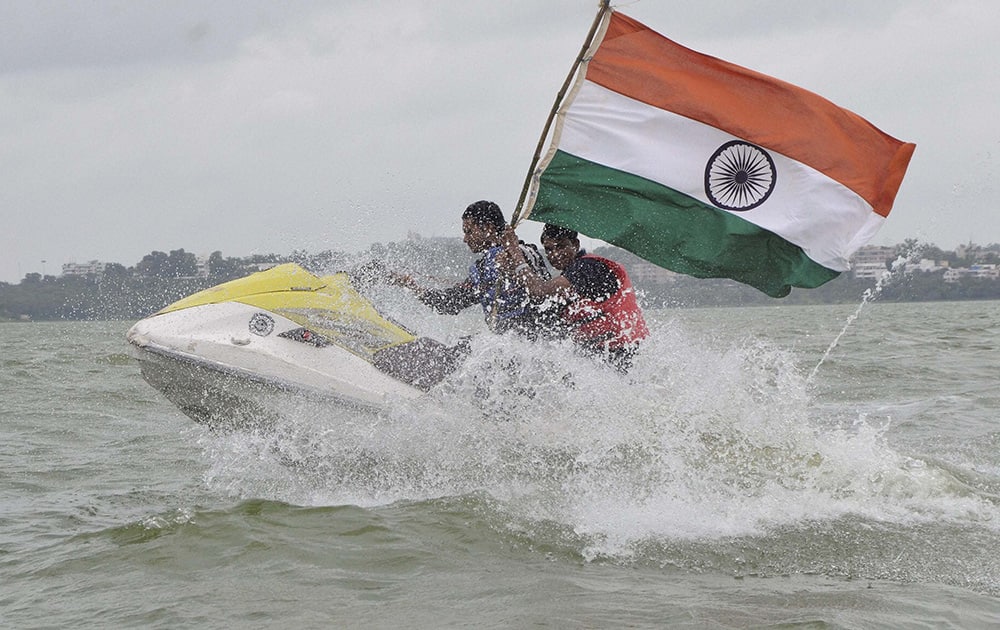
<point>261,324</point>
<point>740,176</point>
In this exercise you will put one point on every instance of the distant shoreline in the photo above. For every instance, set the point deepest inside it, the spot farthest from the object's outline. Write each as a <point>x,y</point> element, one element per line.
<point>112,292</point>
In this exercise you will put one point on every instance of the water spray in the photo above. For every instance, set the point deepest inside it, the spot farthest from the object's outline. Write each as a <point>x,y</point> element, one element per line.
<point>870,295</point>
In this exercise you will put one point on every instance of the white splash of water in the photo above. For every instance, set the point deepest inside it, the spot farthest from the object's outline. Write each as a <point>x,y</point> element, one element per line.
<point>703,439</point>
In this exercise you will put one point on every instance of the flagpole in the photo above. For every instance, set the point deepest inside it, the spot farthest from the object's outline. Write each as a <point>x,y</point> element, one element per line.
<point>604,8</point>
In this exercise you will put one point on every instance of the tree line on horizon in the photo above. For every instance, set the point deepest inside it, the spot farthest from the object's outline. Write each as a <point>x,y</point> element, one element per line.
<point>160,278</point>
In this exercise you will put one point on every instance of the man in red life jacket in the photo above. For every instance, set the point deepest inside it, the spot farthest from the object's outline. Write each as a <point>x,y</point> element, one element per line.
<point>597,301</point>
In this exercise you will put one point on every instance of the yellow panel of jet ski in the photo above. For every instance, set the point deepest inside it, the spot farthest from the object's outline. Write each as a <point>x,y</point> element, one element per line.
<point>286,277</point>
<point>329,306</point>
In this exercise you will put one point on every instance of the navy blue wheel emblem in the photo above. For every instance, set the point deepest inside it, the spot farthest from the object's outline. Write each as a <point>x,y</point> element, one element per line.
<point>261,324</point>
<point>740,176</point>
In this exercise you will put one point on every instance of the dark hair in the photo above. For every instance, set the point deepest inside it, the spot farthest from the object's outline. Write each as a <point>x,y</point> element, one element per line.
<point>485,213</point>
<point>554,232</point>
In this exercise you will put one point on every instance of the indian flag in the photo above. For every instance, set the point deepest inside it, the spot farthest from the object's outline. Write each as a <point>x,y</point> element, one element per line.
<point>710,169</point>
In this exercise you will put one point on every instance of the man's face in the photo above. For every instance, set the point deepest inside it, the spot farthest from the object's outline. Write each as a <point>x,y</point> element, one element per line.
<point>560,252</point>
<point>477,237</point>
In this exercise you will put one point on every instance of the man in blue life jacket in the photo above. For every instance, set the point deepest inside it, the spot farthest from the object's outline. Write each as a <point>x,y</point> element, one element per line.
<point>505,303</point>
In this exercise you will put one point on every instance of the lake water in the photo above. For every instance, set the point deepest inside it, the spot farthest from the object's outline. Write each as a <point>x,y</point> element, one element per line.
<point>725,482</point>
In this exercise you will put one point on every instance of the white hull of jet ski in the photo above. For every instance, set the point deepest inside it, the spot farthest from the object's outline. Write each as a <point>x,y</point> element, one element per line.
<point>226,360</point>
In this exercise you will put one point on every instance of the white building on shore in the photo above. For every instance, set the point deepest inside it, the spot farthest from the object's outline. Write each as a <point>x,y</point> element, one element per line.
<point>91,268</point>
<point>646,273</point>
<point>979,270</point>
<point>871,261</point>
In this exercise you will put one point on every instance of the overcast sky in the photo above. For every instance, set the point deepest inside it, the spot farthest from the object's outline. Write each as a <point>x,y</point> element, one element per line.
<point>255,126</point>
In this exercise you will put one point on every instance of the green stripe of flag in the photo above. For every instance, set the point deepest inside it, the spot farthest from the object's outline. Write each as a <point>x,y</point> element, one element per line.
<point>670,229</point>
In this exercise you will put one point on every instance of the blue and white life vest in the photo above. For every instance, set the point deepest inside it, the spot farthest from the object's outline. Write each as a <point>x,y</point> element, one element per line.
<point>500,298</point>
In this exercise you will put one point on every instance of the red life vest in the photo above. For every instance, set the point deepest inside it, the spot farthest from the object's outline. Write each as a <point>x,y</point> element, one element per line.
<point>612,323</point>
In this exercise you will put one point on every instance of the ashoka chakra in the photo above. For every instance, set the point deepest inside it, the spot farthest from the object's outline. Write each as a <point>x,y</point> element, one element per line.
<point>740,176</point>
<point>261,324</point>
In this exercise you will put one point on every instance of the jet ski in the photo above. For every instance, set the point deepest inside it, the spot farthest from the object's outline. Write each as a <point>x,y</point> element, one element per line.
<point>243,352</point>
